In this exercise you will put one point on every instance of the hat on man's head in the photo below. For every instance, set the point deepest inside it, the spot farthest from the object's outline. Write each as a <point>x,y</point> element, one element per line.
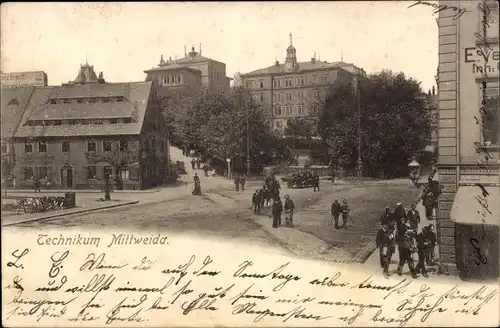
<point>399,203</point>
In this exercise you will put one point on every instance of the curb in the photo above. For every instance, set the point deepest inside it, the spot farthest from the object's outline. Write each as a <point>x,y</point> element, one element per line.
<point>71,213</point>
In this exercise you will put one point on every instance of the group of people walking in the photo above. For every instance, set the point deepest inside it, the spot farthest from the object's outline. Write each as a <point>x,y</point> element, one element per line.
<point>400,228</point>
<point>337,210</point>
<point>196,164</point>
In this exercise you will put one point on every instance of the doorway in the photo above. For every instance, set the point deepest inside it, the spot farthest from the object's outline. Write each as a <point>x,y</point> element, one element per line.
<point>69,178</point>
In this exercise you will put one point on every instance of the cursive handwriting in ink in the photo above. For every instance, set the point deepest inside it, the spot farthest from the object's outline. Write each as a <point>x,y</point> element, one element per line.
<point>398,288</point>
<point>184,290</point>
<point>16,284</point>
<point>439,8</point>
<point>181,269</point>
<point>113,314</point>
<point>97,263</point>
<point>157,305</point>
<point>145,264</point>
<point>330,281</point>
<point>245,294</point>
<point>275,274</point>
<point>423,291</point>
<point>37,304</point>
<point>202,272</point>
<point>17,254</point>
<point>64,279</point>
<point>296,313</point>
<point>410,309</point>
<point>351,319</point>
<point>161,290</point>
<point>97,283</point>
<point>479,257</point>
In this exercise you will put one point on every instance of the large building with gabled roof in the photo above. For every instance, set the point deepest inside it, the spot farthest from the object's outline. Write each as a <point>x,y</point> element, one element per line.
<point>294,89</point>
<point>71,136</point>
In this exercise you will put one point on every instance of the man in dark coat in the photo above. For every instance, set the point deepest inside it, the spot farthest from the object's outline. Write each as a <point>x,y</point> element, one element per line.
<point>406,250</point>
<point>428,201</point>
<point>198,163</point>
<point>316,181</point>
<point>193,163</point>
<point>386,217</point>
<point>205,169</point>
<point>413,217</point>
<point>401,228</point>
<point>256,201</point>
<point>37,184</point>
<point>336,209</point>
<point>385,244</point>
<point>399,212</point>
<point>422,247</point>
<point>431,237</point>
<point>237,182</point>
<point>289,209</point>
<point>277,210</point>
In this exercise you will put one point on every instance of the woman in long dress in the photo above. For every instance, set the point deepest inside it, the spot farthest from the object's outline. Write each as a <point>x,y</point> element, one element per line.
<point>197,186</point>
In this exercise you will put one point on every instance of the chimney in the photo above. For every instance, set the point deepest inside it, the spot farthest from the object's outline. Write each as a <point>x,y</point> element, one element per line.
<point>200,48</point>
<point>185,52</point>
<point>277,63</point>
<point>433,90</point>
<point>313,59</point>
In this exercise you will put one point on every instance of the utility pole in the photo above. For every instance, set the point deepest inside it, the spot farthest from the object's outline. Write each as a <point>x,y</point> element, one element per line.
<point>248,139</point>
<point>358,100</point>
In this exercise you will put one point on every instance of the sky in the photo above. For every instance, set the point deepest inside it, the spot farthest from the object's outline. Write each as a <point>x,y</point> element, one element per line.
<point>124,39</point>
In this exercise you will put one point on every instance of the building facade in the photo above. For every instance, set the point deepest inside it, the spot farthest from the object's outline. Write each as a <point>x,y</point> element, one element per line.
<point>295,89</point>
<point>73,135</point>
<point>23,79</point>
<point>468,138</point>
<point>198,70</point>
<point>172,77</point>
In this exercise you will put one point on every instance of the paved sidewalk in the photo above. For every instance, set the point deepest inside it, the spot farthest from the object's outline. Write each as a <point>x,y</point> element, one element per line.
<point>374,259</point>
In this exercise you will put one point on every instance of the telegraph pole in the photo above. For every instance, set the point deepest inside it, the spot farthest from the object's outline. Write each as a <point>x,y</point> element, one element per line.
<point>358,100</point>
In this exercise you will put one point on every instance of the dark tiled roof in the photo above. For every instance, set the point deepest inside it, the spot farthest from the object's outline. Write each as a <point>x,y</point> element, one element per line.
<point>14,102</point>
<point>136,96</point>
<point>172,66</point>
<point>303,66</point>
<point>188,59</point>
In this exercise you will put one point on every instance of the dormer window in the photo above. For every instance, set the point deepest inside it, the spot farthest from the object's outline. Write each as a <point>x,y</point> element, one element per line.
<point>13,101</point>
<point>67,101</point>
<point>92,100</point>
<point>53,101</point>
<point>119,99</point>
<point>79,101</point>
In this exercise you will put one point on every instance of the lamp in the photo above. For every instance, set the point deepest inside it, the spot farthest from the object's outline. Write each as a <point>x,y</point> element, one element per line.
<point>414,168</point>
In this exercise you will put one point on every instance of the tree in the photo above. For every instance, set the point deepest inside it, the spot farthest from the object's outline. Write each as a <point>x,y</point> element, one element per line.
<point>299,128</point>
<point>116,157</point>
<point>394,123</point>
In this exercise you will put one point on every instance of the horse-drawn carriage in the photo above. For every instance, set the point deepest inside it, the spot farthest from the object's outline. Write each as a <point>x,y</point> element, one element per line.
<point>299,180</point>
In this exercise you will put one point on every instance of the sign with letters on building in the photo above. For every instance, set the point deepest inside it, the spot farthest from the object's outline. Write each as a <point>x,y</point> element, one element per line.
<point>483,60</point>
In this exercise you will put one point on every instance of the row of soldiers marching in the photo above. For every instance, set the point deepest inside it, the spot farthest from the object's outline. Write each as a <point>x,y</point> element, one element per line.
<point>399,228</point>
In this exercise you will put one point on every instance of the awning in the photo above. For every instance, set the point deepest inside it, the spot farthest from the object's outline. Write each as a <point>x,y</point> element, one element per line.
<point>467,207</point>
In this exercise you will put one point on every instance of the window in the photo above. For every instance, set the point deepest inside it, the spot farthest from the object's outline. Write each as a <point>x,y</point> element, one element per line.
<point>91,145</point>
<point>4,148</point>
<point>276,83</point>
<point>106,145</point>
<point>92,100</point>
<point>66,146</point>
<point>315,94</point>
<point>261,84</point>
<point>124,173</point>
<point>53,101</point>
<point>29,173</point>
<point>43,172</point>
<point>42,146</point>
<point>84,122</point>
<point>97,121</point>
<point>288,110</point>
<point>72,122</point>
<point>67,101</point>
<point>278,124</point>
<point>91,172</point>
<point>108,170</point>
<point>261,97</point>
<point>277,98</point>
<point>300,109</point>
<point>123,144</point>
<point>79,101</point>
<point>315,109</point>
<point>119,99</point>
<point>277,110</point>
<point>315,79</point>
<point>490,117</point>
<point>249,84</point>
<point>288,96</point>
<point>326,78</point>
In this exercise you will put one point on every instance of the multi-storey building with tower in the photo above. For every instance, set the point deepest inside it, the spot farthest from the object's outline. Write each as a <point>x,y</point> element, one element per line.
<point>295,89</point>
<point>469,138</point>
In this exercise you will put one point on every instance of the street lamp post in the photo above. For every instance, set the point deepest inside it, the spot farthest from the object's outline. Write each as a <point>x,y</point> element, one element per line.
<point>358,101</point>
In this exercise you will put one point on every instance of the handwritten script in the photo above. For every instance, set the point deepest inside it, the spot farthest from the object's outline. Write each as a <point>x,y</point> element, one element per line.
<point>219,284</point>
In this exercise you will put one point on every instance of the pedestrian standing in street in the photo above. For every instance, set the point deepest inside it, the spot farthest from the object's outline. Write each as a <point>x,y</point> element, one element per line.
<point>36,184</point>
<point>277,210</point>
<point>237,182</point>
<point>205,169</point>
<point>197,185</point>
<point>198,163</point>
<point>399,211</point>
<point>386,217</point>
<point>400,233</point>
<point>289,209</point>
<point>385,244</point>
<point>413,217</point>
<point>256,202</point>
<point>345,213</point>
<point>406,256</point>
<point>431,237</point>
<point>242,182</point>
<point>428,201</point>
<point>336,209</point>
<point>262,198</point>
<point>332,173</point>
<point>422,247</point>
<point>193,163</point>
<point>316,181</point>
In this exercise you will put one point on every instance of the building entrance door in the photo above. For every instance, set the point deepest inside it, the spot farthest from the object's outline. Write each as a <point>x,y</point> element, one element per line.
<point>69,178</point>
